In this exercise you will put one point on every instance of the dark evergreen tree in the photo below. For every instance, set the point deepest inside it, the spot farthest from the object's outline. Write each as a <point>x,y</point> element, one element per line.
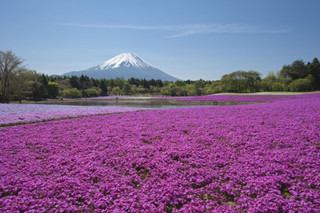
<point>152,82</point>
<point>103,87</point>
<point>94,82</point>
<point>294,71</point>
<point>145,84</point>
<point>74,81</point>
<point>44,79</point>
<point>38,91</point>
<point>314,70</point>
<point>84,82</point>
<point>111,83</point>
<point>159,83</point>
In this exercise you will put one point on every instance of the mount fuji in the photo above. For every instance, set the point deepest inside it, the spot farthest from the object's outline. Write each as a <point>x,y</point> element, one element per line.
<point>125,65</point>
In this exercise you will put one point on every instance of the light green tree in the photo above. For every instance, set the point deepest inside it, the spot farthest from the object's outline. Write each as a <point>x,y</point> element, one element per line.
<point>53,89</point>
<point>71,93</point>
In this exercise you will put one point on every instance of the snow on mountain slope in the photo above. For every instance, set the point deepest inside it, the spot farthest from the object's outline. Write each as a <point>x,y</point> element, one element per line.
<point>125,65</point>
<point>126,60</point>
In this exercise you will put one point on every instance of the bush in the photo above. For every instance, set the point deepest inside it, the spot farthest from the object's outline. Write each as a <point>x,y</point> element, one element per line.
<point>93,92</point>
<point>301,85</point>
<point>72,93</point>
<point>277,86</point>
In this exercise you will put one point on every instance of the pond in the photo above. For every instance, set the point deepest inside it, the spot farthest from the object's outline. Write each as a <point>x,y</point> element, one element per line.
<point>135,102</point>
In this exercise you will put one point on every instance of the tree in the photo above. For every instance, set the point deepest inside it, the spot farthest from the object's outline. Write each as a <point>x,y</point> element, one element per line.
<point>21,83</point>
<point>126,89</point>
<point>74,81</point>
<point>84,82</point>
<point>212,88</point>
<point>72,93</point>
<point>103,87</point>
<point>119,82</point>
<point>302,84</point>
<point>235,81</point>
<point>93,92</point>
<point>159,83</point>
<point>266,83</point>
<point>253,80</point>
<point>314,69</point>
<point>44,80</point>
<point>9,64</point>
<point>53,89</point>
<point>273,83</point>
<point>277,86</point>
<point>298,70</point>
<point>145,84</point>
<point>295,71</point>
<point>115,90</point>
<point>38,91</point>
<point>180,83</point>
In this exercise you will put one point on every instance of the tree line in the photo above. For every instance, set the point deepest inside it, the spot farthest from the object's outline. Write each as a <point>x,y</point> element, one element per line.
<point>18,83</point>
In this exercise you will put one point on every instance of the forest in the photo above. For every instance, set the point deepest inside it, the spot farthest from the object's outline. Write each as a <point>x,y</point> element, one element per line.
<point>18,83</point>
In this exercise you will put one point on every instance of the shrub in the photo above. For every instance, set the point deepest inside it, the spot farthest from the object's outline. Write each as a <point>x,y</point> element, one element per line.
<point>301,85</point>
<point>72,93</point>
<point>93,92</point>
<point>277,86</point>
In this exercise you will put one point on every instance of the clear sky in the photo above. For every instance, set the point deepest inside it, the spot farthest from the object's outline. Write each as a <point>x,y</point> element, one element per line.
<point>189,39</point>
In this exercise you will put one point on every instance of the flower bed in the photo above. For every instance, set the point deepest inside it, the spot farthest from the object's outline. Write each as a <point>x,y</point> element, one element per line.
<point>27,113</point>
<point>245,158</point>
<point>234,98</point>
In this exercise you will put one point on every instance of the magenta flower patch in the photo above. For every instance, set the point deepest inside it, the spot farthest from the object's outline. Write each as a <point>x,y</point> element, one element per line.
<point>28,113</point>
<point>246,158</point>
<point>234,98</point>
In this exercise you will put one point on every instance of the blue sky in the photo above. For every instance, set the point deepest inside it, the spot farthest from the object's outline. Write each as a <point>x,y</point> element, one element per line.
<point>188,39</point>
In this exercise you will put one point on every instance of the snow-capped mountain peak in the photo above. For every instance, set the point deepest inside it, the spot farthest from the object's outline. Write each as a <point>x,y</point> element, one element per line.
<point>126,66</point>
<point>125,60</point>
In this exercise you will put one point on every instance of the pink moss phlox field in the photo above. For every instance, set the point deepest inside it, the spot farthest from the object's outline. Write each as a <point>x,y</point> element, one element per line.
<point>26,113</point>
<point>246,158</point>
<point>234,98</point>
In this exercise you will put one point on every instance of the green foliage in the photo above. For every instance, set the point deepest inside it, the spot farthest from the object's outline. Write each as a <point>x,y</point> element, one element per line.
<point>92,92</point>
<point>194,90</point>
<point>180,83</point>
<point>18,83</point>
<point>72,93</point>
<point>9,65</point>
<point>74,81</point>
<point>119,82</point>
<point>127,89</point>
<point>103,87</point>
<point>301,85</point>
<point>43,80</point>
<point>277,86</point>
<point>53,89</point>
<point>314,69</point>
<point>294,71</point>
<point>85,82</point>
<point>253,80</point>
<point>212,88</point>
<point>241,81</point>
<point>38,91</point>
